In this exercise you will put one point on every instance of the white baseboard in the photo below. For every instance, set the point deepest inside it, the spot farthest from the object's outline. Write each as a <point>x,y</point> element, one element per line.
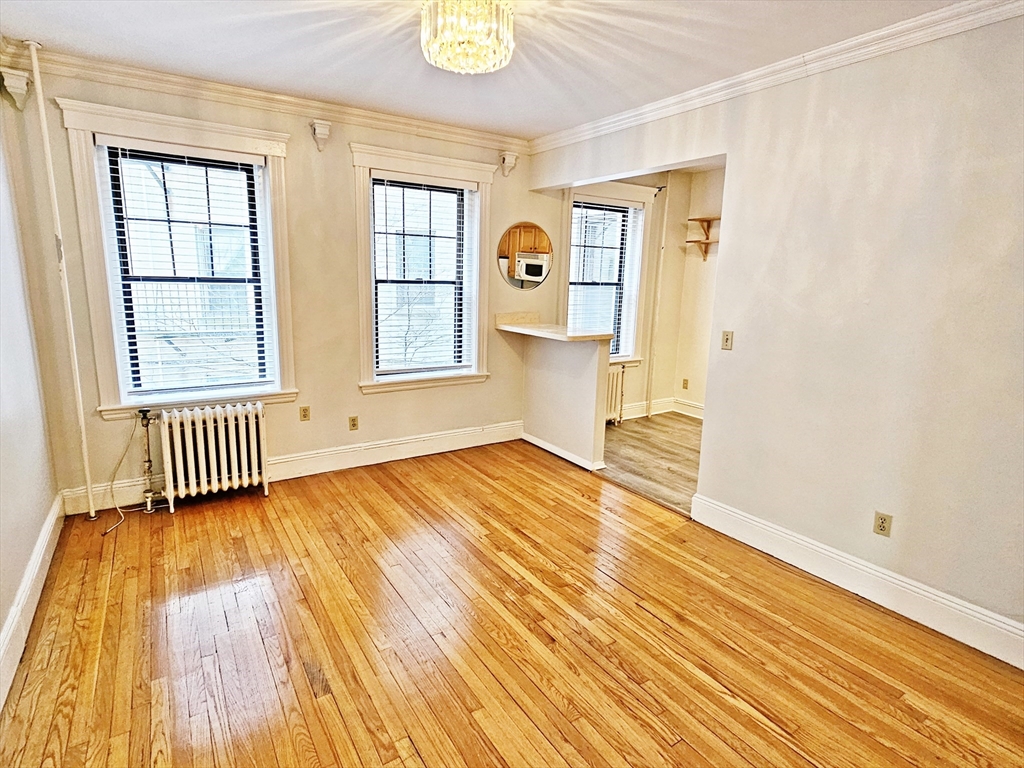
<point>970,624</point>
<point>376,452</point>
<point>578,460</point>
<point>19,619</point>
<point>127,491</point>
<point>663,405</point>
<point>689,408</point>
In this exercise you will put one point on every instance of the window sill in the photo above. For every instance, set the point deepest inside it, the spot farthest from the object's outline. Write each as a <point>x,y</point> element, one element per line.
<point>116,412</point>
<point>629,363</point>
<point>398,385</point>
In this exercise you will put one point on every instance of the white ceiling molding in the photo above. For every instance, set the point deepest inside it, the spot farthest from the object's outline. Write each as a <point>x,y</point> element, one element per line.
<point>151,126</point>
<point>944,22</point>
<point>13,55</point>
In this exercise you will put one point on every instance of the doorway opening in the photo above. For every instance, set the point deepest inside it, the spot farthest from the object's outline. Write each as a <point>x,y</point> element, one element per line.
<point>656,398</point>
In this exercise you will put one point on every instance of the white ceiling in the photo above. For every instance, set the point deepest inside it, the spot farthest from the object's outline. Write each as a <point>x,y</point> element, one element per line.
<point>575,60</point>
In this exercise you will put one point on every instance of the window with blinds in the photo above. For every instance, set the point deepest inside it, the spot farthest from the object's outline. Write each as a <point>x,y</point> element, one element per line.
<point>424,250</point>
<point>604,272</point>
<point>191,282</point>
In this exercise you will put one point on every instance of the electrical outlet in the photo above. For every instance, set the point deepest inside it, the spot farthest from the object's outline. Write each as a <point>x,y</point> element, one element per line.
<point>883,524</point>
<point>303,413</point>
<point>726,339</point>
<point>686,383</point>
<point>353,423</point>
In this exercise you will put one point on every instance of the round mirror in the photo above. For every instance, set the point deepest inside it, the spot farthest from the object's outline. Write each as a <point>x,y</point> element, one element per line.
<point>524,255</point>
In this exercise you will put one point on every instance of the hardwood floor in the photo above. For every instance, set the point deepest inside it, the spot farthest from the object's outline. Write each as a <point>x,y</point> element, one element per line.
<point>490,607</point>
<point>656,457</point>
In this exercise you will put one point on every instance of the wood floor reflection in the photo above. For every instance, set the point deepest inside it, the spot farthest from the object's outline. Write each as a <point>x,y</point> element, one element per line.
<point>490,607</point>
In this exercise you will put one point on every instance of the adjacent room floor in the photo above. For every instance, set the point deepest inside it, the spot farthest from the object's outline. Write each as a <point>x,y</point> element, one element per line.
<point>656,457</point>
<point>490,607</point>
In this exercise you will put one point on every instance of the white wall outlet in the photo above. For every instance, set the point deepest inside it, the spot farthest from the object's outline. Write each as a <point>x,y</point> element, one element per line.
<point>303,413</point>
<point>353,423</point>
<point>726,339</point>
<point>883,524</point>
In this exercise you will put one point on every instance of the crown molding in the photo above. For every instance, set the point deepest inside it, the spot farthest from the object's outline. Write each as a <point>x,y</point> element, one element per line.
<point>13,55</point>
<point>944,22</point>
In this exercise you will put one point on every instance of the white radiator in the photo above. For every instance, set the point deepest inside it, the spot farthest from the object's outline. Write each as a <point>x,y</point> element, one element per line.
<point>214,448</point>
<point>616,380</point>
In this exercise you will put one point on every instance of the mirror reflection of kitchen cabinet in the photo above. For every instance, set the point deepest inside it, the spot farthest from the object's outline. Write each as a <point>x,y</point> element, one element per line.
<point>524,255</point>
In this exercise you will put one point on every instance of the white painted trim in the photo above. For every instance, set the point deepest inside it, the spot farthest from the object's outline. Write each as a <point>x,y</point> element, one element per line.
<point>689,408</point>
<point>664,405</point>
<point>944,22</point>
<point>127,492</point>
<point>180,131</point>
<point>119,412</point>
<point>82,119</point>
<point>378,451</point>
<point>434,166</point>
<point>977,627</point>
<point>124,76</point>
<point>400,385</point>
<point>551,448</point>
<point>367,161</point>
<point>19,619</point>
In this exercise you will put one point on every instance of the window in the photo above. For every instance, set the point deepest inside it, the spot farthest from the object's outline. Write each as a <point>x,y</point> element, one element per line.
<point>604,271</point>
<point>185,250</point>
<point>424,256</point>
<point>422,294</point>
<point>190,276</point>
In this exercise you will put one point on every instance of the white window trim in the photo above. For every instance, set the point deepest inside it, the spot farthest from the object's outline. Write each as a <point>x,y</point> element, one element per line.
<point>83,121</point>
<point>613,193</point>
<point>366,160</point>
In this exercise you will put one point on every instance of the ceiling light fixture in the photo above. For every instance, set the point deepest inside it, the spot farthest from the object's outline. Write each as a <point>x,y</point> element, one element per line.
<point>470,37</point>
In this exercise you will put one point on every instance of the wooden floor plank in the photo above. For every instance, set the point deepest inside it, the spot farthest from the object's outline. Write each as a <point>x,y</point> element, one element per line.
<point>490,607</point>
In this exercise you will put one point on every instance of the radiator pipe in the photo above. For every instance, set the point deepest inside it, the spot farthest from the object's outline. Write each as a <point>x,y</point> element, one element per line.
<point>62,268</point>
<point>652,354</point>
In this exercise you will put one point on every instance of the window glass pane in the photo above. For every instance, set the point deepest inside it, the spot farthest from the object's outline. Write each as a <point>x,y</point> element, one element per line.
<point>191,249</point>
<point>417,258</point>
<point>415,326</point>
<point>232,255</point>
<point>149,247</point>
<point>143,189</point>
<point>229,200</point>
<point>205,334</point>
<point>186,192</point>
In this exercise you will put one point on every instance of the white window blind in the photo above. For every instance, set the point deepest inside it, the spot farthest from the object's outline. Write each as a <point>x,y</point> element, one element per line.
<point>190,272</point>
<point>604,272</point>
<point>425,251</point>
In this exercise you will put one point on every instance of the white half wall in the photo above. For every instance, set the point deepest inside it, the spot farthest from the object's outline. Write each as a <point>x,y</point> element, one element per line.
<point>870,265</point>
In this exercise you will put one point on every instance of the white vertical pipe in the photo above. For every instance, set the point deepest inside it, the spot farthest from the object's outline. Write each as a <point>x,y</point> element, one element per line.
<point>55,212</point>
<point>652,354</point>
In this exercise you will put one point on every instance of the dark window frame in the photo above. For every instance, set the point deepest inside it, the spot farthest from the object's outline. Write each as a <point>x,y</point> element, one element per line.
<point>459,283</point>
<point>128,277</point>
<point>620,284</point>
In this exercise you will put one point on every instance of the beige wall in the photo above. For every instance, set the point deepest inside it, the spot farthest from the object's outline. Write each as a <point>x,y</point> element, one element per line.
<point>698,291</point>
<point>322,245</point>
<point>871,267</point>
<point>27,489</point>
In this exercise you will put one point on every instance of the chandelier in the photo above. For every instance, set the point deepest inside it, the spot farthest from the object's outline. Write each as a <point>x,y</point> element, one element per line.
<point>470,37</point>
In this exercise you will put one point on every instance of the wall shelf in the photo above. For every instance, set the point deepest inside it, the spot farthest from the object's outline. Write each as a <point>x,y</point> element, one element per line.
<point>706,242</point>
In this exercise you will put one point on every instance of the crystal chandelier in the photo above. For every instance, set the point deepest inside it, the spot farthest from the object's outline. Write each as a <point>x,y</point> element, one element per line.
<point>467,36</point>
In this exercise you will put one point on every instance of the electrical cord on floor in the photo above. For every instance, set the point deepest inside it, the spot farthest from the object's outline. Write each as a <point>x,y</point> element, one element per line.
<point>113,477</point>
